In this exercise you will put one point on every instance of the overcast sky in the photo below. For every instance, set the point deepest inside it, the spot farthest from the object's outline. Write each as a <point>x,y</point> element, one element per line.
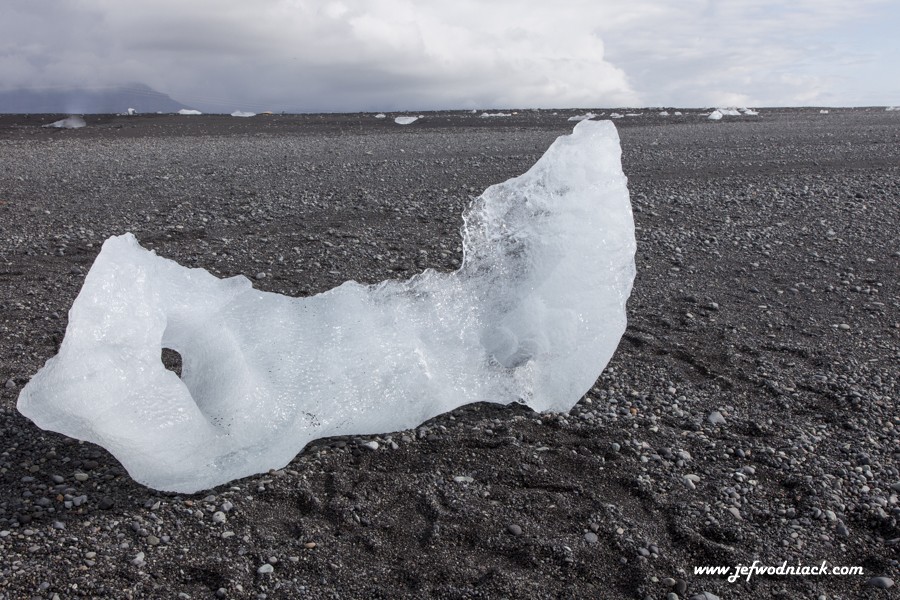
<point>356,55</point>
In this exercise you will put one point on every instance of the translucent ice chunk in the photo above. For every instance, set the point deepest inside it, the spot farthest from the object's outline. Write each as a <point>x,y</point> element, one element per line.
<point>243,113</point>
<point>67,123</point>
<point>189,111</point>
<point>533,315</point>
<point>405,120</point>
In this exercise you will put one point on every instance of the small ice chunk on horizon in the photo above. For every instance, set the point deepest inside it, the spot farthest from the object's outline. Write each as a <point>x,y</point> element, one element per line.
<point>823,111</point>
<point>584,117</point>
<point>892,108</point>
<point>615,115</point>
<point>715,115</point>
<point>380,116</point>
<point>748,111</point>
<point>73,122</point>
<point>131,112</point>
<point>677,113</point>
<point>497,114</point>
<point>188,111</point>
<point>405,120</point>
<point>533,315</point>
<point>664,113</point>
<point>241,113</point>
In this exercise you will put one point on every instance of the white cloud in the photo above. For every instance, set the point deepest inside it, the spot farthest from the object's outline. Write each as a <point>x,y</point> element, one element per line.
<point>398,54</point>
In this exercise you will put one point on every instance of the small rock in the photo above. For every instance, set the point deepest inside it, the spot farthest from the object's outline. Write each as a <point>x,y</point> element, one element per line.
<point>152,540</point>
<point>590,537</point>
<point>218,517</point>
<point>260,275</point>
<point>266,568</point>
<point>716,418</point>
<point>881,582</point>
<point>138,560</point>
<point>373,445</point>
<point>514,529</point>
<point>736,512</point>
<point>10,383</point>
<point>705,596</point>
<point>81,476</point>
<point>842,529</point>
<point>105,503</point>
<point>463,479</point>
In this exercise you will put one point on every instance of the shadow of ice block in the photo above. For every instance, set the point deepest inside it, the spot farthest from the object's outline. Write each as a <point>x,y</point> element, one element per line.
<point>533,315</point>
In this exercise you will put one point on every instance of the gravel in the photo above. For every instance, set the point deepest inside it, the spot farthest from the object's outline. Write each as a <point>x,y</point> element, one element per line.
<point>767,293</point>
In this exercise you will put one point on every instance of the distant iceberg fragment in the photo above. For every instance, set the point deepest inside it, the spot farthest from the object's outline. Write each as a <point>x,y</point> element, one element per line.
<point>584,117</point>
<point>188,111</point>
<point>405,120</point>
<point>615,115</point>
<point>131,112</point>
<point>715,115</point>
<point>664,113</point>
<point>67,123</point>
<point>892,108</point>
<point>496,114</point>
<point>380,116</point>
<point>241,113</point>
<point>533,315</point>
<point>823,111</point>
<point>748,112</point>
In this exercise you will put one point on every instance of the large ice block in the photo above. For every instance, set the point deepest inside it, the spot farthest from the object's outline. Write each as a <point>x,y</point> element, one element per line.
<point>533,315</point>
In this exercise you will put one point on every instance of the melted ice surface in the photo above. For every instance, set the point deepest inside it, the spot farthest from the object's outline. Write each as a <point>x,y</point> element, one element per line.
<point>533,315</point>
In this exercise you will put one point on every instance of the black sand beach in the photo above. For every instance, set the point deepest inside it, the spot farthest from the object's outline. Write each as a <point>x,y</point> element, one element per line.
<point>749,414</point>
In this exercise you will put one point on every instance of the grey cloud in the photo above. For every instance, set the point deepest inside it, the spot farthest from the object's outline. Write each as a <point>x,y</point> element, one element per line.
<point>399,54</point>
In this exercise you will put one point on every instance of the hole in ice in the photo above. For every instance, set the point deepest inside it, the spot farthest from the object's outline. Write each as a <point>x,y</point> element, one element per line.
<point>171,360</point>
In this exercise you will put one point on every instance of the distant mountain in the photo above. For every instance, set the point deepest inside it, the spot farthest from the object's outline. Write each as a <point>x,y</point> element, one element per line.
<point>73,100</point>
